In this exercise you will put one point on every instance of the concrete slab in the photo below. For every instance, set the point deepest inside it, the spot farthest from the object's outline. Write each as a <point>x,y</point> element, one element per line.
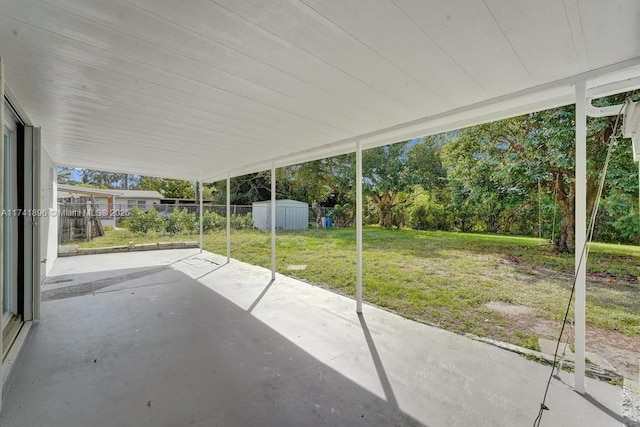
<point>158,339</point>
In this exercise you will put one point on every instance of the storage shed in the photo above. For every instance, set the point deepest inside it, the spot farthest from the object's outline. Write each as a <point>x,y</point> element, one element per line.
<point>290,215</point>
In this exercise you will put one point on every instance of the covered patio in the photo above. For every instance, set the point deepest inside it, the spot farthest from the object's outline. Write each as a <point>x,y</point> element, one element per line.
<point>211,90</point>
<point>180,337</point>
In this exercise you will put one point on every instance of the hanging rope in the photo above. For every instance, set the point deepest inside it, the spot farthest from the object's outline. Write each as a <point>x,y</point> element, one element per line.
<point>539,210</point>
<point>555,209</point>
<point>584,253</point>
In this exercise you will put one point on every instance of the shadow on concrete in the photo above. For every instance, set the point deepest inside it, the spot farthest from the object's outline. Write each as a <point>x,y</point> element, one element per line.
<point>178,353</point>
<point>262,294</point>
<point>613,414</point>
<point>212,270</point>
<point>96,285</point>
<point>184,259</point>
<point>594,402</point>
<point>382,374</point>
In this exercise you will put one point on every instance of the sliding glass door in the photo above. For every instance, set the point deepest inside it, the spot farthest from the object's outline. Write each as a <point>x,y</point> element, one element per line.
<point>10,225</point>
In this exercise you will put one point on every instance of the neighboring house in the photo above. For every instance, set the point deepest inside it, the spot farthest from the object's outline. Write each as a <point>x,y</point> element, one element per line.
<point>141,199</point>
<point>109,204</point>
<point>72,197</point>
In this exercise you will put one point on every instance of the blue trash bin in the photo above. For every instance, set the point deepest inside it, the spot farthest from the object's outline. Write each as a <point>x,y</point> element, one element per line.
<point>328,222</point>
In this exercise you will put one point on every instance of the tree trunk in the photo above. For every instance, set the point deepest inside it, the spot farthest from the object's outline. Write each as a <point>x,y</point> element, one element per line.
<point>385,203</point>
<point>566,200</point>
<point>566,237</point>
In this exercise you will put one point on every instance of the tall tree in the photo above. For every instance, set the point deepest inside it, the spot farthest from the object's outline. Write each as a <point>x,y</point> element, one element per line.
<point>508,158</point>
<point>386,176</point>
<point>170,188</point>
<point>103,179</point>
<point>489,181</point>
<point>391,172</point>
<point>66,175</point>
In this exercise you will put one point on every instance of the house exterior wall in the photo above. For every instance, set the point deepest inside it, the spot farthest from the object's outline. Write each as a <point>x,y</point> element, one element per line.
<point>122,203</point>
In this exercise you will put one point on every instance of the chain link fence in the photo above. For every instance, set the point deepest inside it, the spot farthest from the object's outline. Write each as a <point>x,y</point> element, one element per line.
<point>87,220</point>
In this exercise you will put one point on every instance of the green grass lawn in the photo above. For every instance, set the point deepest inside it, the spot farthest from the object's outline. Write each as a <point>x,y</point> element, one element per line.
<point>444,278</point>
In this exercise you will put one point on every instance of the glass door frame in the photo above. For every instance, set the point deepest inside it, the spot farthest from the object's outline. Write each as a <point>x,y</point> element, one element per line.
<point>10,181</point>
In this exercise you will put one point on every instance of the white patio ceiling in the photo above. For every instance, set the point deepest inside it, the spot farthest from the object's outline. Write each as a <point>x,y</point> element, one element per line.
<point>197,89</point>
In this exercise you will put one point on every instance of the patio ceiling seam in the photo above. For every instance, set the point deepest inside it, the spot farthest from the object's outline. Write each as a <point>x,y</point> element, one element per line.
<point>252,58</point>
<point>184,55</point>
<point>332,23</point>
<point>508,40</point>
<point>272,34</point>
<point>577,34</point>
<point>442,50</point>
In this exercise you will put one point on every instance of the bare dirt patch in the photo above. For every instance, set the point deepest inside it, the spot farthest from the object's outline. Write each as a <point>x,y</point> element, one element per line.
<point>510,309</point>
<point>620,350</point>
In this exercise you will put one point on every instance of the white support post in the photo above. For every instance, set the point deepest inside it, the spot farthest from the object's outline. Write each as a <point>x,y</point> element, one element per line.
<point>228,218</point>
<point>580,234</point>
<point>273,223</point>
<point>358,227</point>
<point>201,216</point>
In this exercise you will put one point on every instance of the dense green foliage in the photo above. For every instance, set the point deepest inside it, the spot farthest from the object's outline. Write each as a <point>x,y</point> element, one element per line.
<point>182,221</point>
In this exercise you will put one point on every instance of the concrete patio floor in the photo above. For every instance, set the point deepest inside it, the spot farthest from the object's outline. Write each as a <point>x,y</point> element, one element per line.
<point>178,338</point>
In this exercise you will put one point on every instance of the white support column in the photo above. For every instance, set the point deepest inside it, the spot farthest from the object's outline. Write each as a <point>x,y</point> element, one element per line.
<point>228,218</point>
<point>273,223</point>
<point>580,234</point>
<point>201,216</point>
<point>358,227</point>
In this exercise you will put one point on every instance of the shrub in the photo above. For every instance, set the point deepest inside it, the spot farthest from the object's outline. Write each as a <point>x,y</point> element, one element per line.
<point>241,222</point>
<point>143,222</point>
<point>212,221</point>
<point>181,221</point>
<point>427,214</point>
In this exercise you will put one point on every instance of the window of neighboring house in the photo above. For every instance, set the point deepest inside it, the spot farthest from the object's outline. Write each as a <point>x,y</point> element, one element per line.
<point>139,203</point>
